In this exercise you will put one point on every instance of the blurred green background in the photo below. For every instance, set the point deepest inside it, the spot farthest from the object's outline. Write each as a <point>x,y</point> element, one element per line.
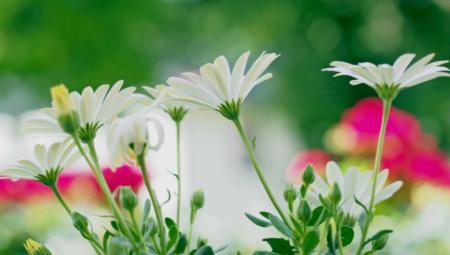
<point>90,42</point>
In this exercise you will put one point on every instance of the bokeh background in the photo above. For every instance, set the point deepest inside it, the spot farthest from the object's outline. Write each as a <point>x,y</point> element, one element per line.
<point>92,42</point>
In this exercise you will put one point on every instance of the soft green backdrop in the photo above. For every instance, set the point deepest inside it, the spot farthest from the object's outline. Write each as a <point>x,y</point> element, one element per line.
<point>89,42</point>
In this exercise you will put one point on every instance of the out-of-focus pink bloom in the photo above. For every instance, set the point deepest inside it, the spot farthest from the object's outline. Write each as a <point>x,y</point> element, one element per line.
<point>430,166</point>
<point>75,185</point>
<point>317,158</point>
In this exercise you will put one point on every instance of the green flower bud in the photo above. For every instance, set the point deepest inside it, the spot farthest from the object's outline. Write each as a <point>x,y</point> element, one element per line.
<point>380,243</point>
<point>290,194</point>
<point>308,175</point>
<point>335,194</point>
<point>80,222</point>
<point>198,199</point>
<point>128,198</point>
<point>304,211</point>
<point>34,248</point>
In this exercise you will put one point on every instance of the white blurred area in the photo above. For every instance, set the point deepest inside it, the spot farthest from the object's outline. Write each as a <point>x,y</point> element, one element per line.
<point>213,159</point>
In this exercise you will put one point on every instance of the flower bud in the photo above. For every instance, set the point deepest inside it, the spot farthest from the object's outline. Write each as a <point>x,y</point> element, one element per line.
<point>67,118</point>
<point>380,243</point>
<point>128,198</point>
<point>335,194</point>
<point>198,199</point>
<point>304,211</point>
<point>34,248</point>
<point>308,175</point>
<point>290,194</point>
<point>80,222</point>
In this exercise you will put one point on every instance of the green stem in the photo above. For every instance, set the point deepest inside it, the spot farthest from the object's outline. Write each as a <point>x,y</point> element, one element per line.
<point>96,246</point>
<point>95,167</point>
<point>258,171</point>
<point>60,198</point>
<point>156,206</point>
<point>376,169</point>
<point>178,131</point>
<point>191,227</point>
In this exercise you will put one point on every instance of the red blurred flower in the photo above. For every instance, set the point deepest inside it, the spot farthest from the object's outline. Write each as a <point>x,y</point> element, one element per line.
<point>318,158</point>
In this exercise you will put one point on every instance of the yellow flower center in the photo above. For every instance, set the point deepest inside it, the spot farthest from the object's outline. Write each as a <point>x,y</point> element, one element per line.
<point>61,99</point>
<point>32,246</point>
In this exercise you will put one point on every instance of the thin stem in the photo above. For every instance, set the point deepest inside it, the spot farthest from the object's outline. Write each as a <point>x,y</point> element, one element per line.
<point>95,167</point>
<point>98,249</point>
<point>258,171</point>
<point>376,169</point>
<point>191,227</point>
<point>60,198</point>
<point>156,206</point>
<point>178,131</point>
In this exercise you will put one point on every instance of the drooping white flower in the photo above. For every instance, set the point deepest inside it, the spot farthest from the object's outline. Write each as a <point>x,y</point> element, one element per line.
<point>129,137</point>
<point>352,184</point>
<point>402,74</point>
<point>46,165</point>
<point>92,108</point>
<point>217,83</point>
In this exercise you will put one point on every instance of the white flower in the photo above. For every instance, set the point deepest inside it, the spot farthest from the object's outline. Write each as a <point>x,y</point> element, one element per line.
<point>129,137</point>
<point>97,108</point>
<point>47,162</point>
<point>217,83</point>
<point>354,183</point>
<point>402,74</point>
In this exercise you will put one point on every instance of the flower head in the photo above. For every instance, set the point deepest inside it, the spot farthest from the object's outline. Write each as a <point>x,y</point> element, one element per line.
<point>386,79</point>
<point>93,108</point>
<point>176,110</point>
<point>129,137</point>
<point>353,184</point>
<point>34,248</point>
<point>217,83</point>
<point>46,165</point>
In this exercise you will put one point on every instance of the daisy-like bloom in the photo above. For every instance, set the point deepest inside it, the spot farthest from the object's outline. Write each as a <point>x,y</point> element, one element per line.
<point>353,184</point>
<point>217,86</point>
<point>91,109</point>
<point>161,98</point>
<point>129,137</point>
<point>47,164</point>
<point>388,80</point>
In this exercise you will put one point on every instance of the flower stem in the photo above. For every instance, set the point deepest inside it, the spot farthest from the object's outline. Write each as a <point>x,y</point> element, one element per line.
<point>156,206</point>
<point>178,131</point>
<point>258,171</point>
<point>95,245</point>
<point>60,198</point>
<point>95,167</point>
<point>376,169</point>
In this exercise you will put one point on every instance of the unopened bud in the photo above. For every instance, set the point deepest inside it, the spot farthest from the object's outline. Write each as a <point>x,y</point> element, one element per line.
<point>80,222</point>
<point>380,243</point>
<point>308,175</point>
<point>128,198</point>
<point>290,194</point>
<point>67,117</point>
<point>34,248</point>
<point>335,194</point>
<point>198,199</point>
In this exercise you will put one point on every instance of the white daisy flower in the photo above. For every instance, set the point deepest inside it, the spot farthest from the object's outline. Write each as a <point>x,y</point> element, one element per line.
<point>93,109</point>
<point>402,74</point>
<point>161,98</point>
<point>129,137</point>
<point>217,83</point>
<point>353,184</point>
<point>47,164</point>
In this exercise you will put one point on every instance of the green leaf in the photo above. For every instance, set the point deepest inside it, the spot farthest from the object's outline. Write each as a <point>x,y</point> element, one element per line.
<point>169,222</point>
<point>106,238</point>
<point>265,253</point>
<point>280,245</point>
<point>347,235</point>
<point>173,236</point>
<point>181,245</point>
<point>378,235</point>
<point>280,226</point>
<point>204,250</point>
<point>310,241</point>
<point>319,215</point>
<point>146,212</point>
<point>257,221</point>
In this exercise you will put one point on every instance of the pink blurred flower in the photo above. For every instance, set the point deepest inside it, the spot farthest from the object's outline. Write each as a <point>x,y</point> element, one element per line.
<point>431,166</point>
<point>318,158</point>
<point>75,185</point>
